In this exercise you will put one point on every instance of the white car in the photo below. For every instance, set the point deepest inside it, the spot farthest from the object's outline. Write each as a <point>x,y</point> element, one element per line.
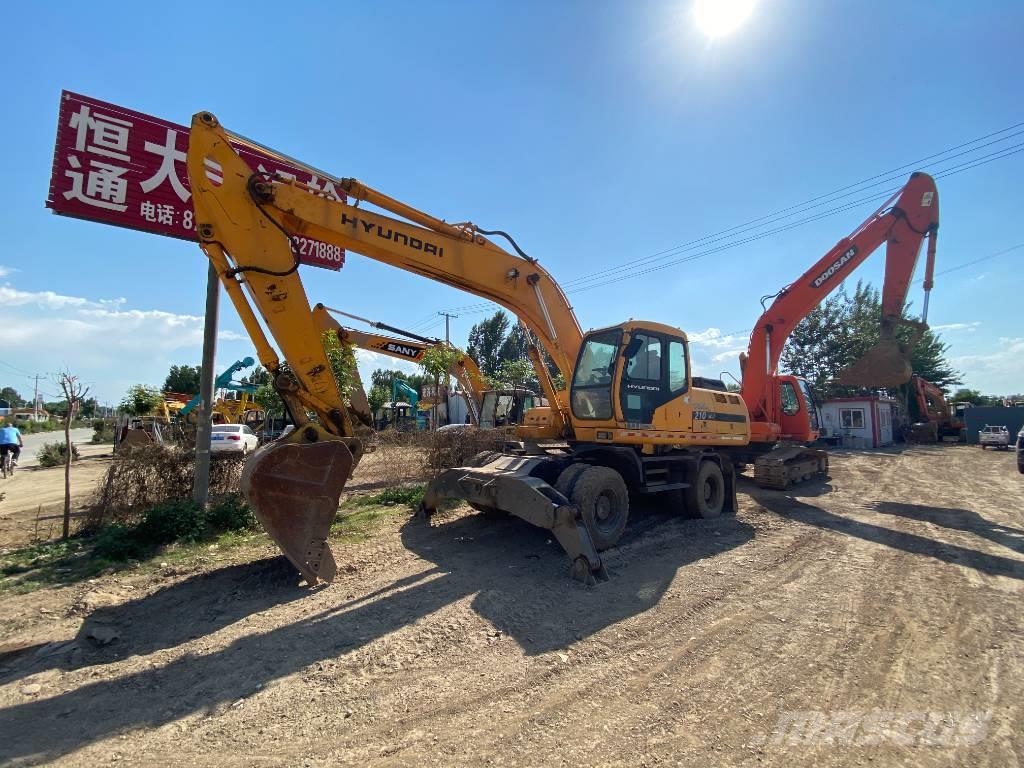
<point>995,436</point>
<point>233,438</point>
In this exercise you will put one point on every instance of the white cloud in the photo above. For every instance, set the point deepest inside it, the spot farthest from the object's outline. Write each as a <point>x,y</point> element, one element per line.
<point>999,372</point>
<point>971,327</point>
<point>369,361</point>
<point>98,339</point>
<point>5,271</point>
<point>712,337</point>
<point>730,354</point>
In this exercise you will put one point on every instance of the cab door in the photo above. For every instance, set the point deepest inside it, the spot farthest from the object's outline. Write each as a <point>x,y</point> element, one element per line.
<point>654,373</point>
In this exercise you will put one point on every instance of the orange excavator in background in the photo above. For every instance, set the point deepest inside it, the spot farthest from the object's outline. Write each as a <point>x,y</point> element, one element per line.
<point>782,409</point>
<point>632,419</point>
<point>932,418</point>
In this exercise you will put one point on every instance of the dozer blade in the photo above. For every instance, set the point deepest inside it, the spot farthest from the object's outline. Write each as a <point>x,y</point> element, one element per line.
<point>293,488</point>
<point>886,364</point>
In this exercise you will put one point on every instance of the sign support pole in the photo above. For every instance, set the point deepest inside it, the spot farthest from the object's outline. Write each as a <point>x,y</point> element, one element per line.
<point>201,486</point>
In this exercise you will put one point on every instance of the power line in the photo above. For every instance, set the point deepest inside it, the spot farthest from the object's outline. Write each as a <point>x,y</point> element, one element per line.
<point>818,201</point>
<point>951,171</point>
<point>605,277</point>
<point>20,371</point>
<point>693,257</point>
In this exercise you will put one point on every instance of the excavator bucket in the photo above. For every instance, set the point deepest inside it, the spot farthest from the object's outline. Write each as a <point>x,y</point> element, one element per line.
<point>886,364</point>
<point>294,487</point>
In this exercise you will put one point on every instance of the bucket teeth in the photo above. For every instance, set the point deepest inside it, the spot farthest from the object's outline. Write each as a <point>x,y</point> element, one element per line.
<point>294,488</point>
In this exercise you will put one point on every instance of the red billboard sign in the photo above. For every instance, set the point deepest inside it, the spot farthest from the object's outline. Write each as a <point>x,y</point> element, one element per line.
<point>125,168</point>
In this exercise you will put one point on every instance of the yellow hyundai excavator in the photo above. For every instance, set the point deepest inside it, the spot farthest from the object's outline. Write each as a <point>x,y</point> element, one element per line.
<point>630,420</point>
<point>487,408</point>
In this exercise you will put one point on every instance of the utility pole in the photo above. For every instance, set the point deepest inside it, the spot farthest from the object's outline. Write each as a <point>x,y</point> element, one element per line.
<point>201,484</point>
<point>447,326</point>
<point>35,401</point>
<point>447,378</point>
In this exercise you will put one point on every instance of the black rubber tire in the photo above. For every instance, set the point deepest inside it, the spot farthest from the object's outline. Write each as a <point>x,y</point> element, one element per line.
<point>567,479</point>
<point>600,495</point>
<point>705,498</point>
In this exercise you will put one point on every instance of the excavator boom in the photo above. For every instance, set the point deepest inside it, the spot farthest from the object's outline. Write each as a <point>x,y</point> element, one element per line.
<point>902,224</point>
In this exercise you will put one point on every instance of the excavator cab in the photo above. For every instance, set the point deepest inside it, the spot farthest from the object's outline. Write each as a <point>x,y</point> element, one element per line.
<point>798,410</point>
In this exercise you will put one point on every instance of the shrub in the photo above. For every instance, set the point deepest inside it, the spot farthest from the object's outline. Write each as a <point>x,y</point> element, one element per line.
<point>409,495</point>
<point>53,454</point>
<point>151,474</point>
<point>175,520</point>
<point>230,513</point>
<point>117,542</point>
<point>103,431</point>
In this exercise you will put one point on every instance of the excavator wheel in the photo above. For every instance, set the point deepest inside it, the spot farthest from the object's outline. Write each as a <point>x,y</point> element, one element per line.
<point>705,498</point>
<point>600,495</point>
<point>567,479</point>
<point>293,486</point>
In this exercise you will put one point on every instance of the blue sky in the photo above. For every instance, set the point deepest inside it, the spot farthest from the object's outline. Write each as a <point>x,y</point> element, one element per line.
<point>597,133</point>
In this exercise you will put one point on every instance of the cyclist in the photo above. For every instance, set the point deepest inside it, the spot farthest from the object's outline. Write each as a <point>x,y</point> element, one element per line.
<point>10,441</point>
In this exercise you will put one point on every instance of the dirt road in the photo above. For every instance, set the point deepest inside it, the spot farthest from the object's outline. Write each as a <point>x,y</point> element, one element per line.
<point>871,620</point>
<point>32,501</point>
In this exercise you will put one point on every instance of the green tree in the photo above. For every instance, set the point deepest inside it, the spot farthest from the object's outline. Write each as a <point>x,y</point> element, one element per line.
<point>88,408</point>
<point>377,397</point>
<point>436,363</point>
<point>56,408</point>
<point>184,379</point>
<point>343,361</point>
<point>382,377</point>
<point>974,397</point>
<point>486,340</point>
<point>516,374</point>
<point>343,366</point>
<point>10,394</point>
<point>841,329</point>
<point>258,376</point>
<point>141,400</point>
<point>515,345</point>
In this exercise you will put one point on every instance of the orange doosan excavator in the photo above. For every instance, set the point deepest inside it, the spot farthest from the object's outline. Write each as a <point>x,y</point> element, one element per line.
<point>932,418</point>
<point>781,406</point>
<point>631,417</point>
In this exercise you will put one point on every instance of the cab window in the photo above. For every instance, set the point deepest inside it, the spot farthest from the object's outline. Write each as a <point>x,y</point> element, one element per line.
<point>676,366</point>
<point>790,403</point>
<point>646,363</point>
<point>591,396</point>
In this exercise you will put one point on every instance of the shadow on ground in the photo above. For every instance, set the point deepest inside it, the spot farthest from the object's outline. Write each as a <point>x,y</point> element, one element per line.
<point>789,506</point>
<point>518,579</point>
<point>957,520</point>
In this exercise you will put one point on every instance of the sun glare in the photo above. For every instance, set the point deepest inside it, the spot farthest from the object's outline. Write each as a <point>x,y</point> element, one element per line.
<point>717,18</point>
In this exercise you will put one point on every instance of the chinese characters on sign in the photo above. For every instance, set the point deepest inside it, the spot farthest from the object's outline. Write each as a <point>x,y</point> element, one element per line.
<point>126,168</point>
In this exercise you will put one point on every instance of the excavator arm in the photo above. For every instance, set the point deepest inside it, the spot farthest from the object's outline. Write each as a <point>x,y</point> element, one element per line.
<point>249,226</point>
<point>902,223</point>
<point>464,369</point>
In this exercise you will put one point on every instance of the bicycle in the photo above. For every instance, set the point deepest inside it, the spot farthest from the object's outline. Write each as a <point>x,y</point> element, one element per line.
<point>7,464</point>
